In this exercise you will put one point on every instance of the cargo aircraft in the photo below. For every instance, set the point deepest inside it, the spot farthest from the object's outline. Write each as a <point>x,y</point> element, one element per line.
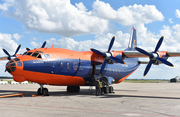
<point>63,67</point>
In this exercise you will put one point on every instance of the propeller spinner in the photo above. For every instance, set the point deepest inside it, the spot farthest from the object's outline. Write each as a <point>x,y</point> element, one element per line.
<point>153,56</point>
<point>107,55</point>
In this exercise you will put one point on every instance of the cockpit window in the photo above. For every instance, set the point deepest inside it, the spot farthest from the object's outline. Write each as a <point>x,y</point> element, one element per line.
<point>29,53</point>
<point>25,53</point>
<point>47,55</point>
<point>39,56</point>
<point>35,54</point>
<point>16,59</point>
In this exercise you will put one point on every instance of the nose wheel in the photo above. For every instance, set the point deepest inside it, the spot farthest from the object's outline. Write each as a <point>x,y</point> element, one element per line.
<point>43,91</point>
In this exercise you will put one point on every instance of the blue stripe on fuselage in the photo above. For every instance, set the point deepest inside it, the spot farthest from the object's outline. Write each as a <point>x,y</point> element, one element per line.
<point>69,67</point>
<point>57,66</point>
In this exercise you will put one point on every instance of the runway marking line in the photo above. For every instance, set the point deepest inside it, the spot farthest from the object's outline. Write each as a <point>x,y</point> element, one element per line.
<point>19,94</point>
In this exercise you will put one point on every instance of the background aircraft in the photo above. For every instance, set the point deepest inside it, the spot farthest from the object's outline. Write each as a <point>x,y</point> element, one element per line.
<point>63,67</point>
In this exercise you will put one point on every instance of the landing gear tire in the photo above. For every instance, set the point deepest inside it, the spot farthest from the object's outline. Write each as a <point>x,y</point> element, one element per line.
<point>106,89</point>
<point>73,88</point>
<point>39,91</point>
<point>43,91</point>
<point>111,89</point>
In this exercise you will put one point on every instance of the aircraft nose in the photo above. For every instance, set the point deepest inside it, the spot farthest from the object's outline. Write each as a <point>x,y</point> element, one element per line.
<point>11,66</point>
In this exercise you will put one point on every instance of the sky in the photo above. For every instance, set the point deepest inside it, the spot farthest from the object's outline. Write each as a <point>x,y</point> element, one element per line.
<point>80,25</point>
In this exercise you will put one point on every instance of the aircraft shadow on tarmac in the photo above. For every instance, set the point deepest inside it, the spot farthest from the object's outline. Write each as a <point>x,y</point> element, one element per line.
<point>82,93</point>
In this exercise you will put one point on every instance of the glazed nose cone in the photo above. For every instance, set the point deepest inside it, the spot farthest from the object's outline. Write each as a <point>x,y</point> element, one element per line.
<point>11,66</point>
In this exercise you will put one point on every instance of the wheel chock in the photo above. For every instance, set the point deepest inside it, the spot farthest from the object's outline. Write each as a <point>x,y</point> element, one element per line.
<point>19,94</point>
<point>37,95</point>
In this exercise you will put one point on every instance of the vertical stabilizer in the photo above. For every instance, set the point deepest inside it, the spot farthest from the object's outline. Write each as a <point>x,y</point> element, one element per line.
<point>133,40</point>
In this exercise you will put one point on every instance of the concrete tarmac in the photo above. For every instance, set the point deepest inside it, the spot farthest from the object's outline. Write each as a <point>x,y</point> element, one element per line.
<point>129,100</point>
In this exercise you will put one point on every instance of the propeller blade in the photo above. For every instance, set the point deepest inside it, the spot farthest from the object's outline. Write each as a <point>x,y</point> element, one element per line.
<point>111,44</point>
<point>103,66</point>
<point>159,44</point>
<point>148,67</point>
<point>97,51</point>
<point>165,62</point>
<point>117,60</point>
<point>17,50</point>
<point>28,49</point>
<point>43,45</point>
<point>142,51</point>
<point>6,53</point>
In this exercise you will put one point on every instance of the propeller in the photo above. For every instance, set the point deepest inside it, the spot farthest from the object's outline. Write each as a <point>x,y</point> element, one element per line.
<point>43,45</point>
<point>153,56</point>
<point>107,55</point>
<point>14,55</point>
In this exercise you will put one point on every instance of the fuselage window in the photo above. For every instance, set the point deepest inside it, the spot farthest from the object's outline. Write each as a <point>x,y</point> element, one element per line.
<point>68,64</point>
<point>29,53</point>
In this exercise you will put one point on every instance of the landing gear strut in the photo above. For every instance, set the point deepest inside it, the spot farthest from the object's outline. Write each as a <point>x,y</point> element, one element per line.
<point>73,88</point>
<point>42,90</point>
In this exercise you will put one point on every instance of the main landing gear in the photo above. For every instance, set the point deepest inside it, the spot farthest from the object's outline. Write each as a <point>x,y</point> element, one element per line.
<point>42,91</point>
<point>108,89</point>
<point>73,88</point>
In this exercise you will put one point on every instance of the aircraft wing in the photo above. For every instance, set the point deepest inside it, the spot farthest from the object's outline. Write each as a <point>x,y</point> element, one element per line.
<point>173,54</point>
<point>136,54</point>
<point>3,58</point>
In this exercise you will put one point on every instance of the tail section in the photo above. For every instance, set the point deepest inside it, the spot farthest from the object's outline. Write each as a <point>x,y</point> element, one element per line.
<point>132,41</point>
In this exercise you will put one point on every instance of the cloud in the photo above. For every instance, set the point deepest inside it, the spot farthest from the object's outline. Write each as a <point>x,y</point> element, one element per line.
<point>63,18</point>
<point>7,43</point>
<point>177,13</point>
<point>127,15</point>
<point>170,20</point>
<point>16,36</point>
<point>35,44</point>
<point>101,42</point>
<point>81,6</point>
<point>59,17</point>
